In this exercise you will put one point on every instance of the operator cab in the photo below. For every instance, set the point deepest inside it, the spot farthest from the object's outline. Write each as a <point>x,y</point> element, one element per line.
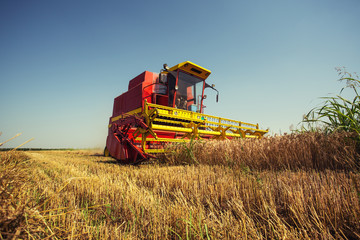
<point>184,85</point>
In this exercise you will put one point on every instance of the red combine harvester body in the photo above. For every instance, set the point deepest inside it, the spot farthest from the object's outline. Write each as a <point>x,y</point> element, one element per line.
<point>166,107</point>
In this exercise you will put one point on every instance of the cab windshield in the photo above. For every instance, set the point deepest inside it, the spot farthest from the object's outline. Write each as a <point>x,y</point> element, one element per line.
<point>189,92</point>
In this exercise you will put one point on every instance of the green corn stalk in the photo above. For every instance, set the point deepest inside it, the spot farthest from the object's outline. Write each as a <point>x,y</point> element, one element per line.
<point>337,113</point>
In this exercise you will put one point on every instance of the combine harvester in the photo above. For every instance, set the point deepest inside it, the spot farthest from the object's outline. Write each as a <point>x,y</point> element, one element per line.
<point>167,107</point>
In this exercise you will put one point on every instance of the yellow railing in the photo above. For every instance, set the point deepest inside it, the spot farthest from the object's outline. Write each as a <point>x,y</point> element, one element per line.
<point>169,115</point>
<point>188,124</point>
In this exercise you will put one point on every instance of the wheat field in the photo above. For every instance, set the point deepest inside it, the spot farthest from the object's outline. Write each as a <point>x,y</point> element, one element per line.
<point>304,186</point>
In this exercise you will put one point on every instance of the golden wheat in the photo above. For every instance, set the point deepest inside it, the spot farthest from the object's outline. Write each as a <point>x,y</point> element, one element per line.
<point>82,195</point>
<point>306,151</point>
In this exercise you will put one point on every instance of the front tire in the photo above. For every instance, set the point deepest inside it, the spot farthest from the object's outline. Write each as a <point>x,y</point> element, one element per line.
<point>106,152</point>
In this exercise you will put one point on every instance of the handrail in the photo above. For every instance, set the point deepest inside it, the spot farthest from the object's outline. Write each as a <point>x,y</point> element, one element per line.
<point>149,86</point>
<point>202,114</point>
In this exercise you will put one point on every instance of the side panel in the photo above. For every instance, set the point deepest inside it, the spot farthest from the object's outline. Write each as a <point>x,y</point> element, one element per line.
<point>136,80</point>
<point>135,96</point>
<point>128,101</point>
<point>113,146</point>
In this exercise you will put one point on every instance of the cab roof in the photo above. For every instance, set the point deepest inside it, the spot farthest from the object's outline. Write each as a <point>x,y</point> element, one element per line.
<point>192,68</point>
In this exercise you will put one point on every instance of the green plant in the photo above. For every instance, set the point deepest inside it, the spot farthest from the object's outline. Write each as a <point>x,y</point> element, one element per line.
<point>182,153</point>
<point>189,150</point>
<point>192,231</point>
<point>337,113</point>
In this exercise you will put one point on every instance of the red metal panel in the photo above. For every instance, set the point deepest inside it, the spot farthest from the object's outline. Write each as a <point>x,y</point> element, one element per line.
<point>113,146</point>
<point>128,101</point>
<point>145,78</point>
<point>140,88</point>
<point>136,80</point>
<point>132,99</point>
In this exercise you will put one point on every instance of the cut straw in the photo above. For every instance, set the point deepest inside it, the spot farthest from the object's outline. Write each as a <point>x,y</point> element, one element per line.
<point>9,139</point>
<point>22,144</point>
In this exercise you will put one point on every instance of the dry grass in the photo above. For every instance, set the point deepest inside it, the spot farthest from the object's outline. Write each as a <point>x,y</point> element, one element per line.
<point>224,195</point>
<point>19,216</point>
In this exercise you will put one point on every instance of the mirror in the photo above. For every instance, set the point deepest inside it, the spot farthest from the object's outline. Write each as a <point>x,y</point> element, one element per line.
<point>163,78</point>
<point>165,67</point>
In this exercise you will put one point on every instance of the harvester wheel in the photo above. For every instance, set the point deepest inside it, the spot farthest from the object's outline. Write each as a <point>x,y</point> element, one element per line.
<point>106,152</point>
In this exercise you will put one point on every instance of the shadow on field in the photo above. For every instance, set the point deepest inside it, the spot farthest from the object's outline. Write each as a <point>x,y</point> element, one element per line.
<point>106,160</point>
<point>109,160</point>
<point>97,155</point>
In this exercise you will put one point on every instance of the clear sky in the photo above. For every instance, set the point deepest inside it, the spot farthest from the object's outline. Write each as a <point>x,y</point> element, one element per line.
<point>63,62</point>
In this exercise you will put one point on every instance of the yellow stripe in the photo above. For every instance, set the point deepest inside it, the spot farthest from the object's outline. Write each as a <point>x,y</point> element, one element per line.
<point>189,130</point>
<point>191,116</point>
<point>163,139</point>
<point>138,110</point>
<point>154,150</point>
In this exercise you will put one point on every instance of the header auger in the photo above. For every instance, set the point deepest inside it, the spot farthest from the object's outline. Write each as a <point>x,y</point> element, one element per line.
<point>167,107</point>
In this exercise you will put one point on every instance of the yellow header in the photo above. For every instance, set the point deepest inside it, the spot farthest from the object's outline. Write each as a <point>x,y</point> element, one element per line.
<point>192,68</point>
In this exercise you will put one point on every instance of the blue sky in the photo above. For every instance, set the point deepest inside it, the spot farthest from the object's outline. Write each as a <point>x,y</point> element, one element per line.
<point>63,62</point>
